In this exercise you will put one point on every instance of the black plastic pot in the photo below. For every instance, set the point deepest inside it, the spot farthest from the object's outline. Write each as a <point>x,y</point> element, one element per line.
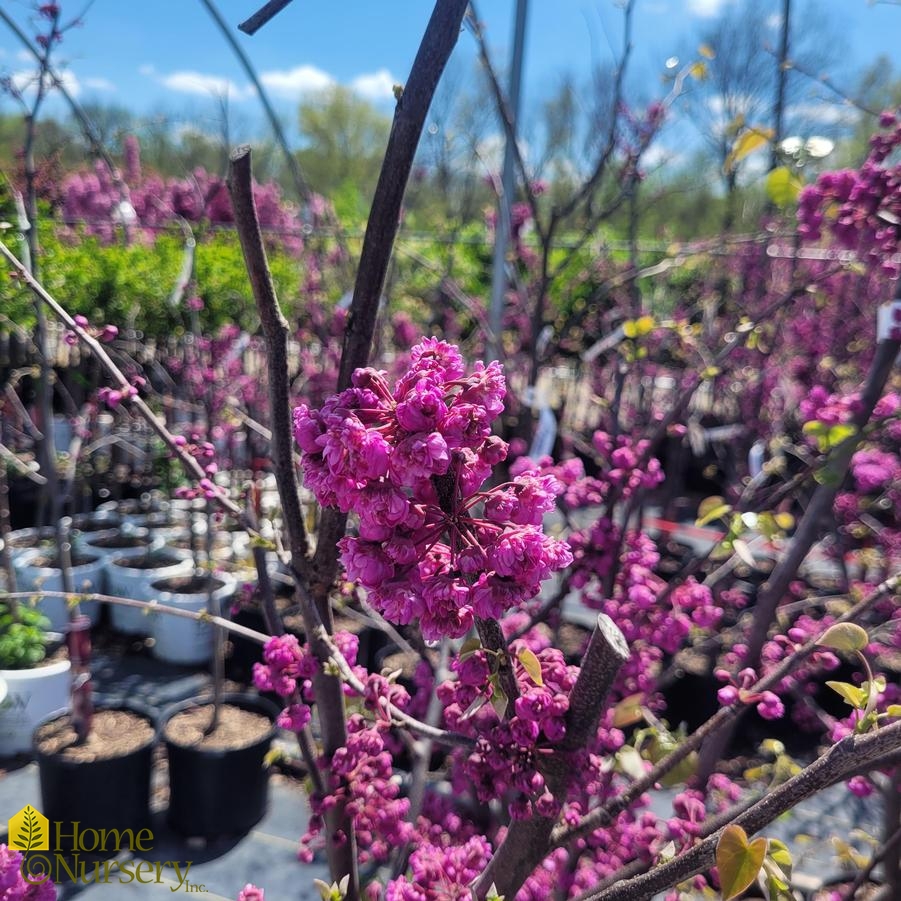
<point>99,794</point>
<point>216,793</point>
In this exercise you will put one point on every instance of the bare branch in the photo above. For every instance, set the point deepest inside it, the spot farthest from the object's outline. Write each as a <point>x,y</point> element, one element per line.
<point>254,23</point>
<point>841,759</point>
<point>528,841</point>
<point>275,328</point>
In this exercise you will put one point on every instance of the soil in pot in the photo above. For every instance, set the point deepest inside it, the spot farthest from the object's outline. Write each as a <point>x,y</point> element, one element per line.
<point>103,783</point>
<point>120,542</point>
<point>218,783</point>
<point>237,728</point>
<point>114,733</point>
<point>50,562</point>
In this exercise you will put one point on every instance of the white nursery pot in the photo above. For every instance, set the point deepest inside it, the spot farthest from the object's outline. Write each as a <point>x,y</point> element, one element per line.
<point>126,580</point>
<point>177,639</point>
<point>124,542</point>
<point>87,578</point>
<point>32,695</point>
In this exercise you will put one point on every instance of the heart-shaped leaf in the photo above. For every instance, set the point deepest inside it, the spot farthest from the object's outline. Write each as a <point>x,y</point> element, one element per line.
<point>846,637</point>
<point>738,860</point>
<point>851,694</point>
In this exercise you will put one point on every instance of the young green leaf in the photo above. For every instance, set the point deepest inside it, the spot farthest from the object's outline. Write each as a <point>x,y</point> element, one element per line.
<point>738,861</point>
<point>851,694</point>
<point>531,664</point>
<point>846,637</point>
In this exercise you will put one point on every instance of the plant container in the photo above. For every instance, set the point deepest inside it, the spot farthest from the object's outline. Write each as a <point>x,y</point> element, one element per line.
<point>218,784</point>
<point>103,783</point>
<point>180,640</point>
<point>38,569</point>
<point>133,577</point>
<point>32,695</point>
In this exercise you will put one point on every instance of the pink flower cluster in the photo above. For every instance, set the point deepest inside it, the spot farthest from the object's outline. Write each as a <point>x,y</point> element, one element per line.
<point>860,207</point>
<point>441,872</point>
<point>505,759</point>
<point>94,198</point>
<point>106,334</point>
<point>363,779</point>
<point>769,706</point>
<point>410,462</point>
<point>13,886</point>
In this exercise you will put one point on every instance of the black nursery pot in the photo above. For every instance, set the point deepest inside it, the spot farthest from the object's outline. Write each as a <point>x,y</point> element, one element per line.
<point>216,793</point>
<point>97,794</point>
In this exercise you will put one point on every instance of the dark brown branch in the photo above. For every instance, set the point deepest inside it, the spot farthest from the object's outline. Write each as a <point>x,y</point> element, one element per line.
<point>254,23</point>
<point>275,330</point>
<point>841,759</point>
<point>329,693</point>
<point>528,841</point>
<point>384,219</point>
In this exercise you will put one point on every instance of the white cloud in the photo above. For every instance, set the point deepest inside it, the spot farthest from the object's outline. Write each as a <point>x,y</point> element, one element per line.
<point>147,70</point>
<point>823,113</point>
<point>99,84</point>
<point>25,82</point>
<point>375,86</point>
<point>24,56</point>
<point>188,82</point>
<point>706,9</point>
<point>657,156</point>
<point>299,80</point>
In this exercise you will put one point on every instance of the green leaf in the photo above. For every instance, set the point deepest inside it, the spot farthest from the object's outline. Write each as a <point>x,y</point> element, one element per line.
<point>468,648</point>
<point>783,186</point>
<point>628,711</point>
<point>780,855</point>
<point>839,433</point>
<point>738,861</point>
<point>746,143</point>
<point>846,637</point>
<point>698,70</point>
<point>712,508</point>
<point>851,694</point>
<point>531,664</point>
<point>499,702</point>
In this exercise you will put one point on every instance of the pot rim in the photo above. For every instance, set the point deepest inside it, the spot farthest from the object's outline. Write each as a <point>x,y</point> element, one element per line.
<point>54,668</point>
<point>246,700</point>
<point>129,705</point>
<point>24,559</point>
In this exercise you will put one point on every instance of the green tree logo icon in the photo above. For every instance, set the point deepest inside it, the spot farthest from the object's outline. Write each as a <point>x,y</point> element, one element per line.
<point>29,830</point>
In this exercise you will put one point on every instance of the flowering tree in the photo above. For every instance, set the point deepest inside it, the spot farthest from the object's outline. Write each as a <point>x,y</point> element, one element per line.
<point>455,543</point>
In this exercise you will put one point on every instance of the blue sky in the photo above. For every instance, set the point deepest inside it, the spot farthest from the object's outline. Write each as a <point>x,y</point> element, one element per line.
<point>152,55</point>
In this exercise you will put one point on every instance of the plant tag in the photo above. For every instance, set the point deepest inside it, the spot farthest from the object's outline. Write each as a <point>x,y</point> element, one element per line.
<point>888,322</point>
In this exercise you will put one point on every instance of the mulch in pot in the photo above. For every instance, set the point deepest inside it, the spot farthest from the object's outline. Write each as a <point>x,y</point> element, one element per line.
<point>237,728</point>
<point>188,584</point>
<point>114,733</point>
